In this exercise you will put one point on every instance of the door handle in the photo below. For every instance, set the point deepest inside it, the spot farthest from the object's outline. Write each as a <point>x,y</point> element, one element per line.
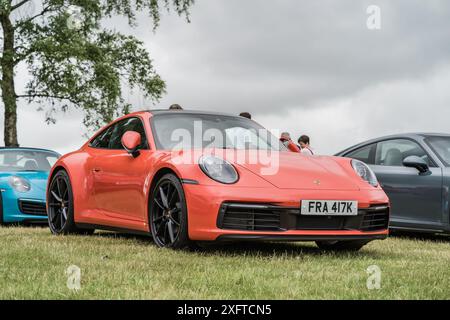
<point>96,170</point>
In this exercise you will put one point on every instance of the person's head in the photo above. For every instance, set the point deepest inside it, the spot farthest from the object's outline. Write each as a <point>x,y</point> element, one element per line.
<point>285,136</point>
<point>303,141</point>
<point>246,115</point>
<point>175,107</point>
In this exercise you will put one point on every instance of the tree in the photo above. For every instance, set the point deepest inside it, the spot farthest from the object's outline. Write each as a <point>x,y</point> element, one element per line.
<point>73,59</point>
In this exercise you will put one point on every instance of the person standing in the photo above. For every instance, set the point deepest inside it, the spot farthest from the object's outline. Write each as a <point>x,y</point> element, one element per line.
<point>287,141</point>
<point>305,146</point>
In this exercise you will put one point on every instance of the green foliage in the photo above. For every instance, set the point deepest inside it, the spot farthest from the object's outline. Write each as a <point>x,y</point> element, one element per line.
<point>75,61</point>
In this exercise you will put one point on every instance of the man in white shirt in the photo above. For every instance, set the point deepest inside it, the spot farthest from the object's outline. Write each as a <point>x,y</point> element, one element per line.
<point>303,141</point>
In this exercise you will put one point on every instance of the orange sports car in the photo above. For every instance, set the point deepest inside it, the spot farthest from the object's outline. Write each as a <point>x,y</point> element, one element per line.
<point>187,176</point>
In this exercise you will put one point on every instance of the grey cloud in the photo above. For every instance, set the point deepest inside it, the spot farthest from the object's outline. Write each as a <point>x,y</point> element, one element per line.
<point>266,57</point>
<point>298,64</point>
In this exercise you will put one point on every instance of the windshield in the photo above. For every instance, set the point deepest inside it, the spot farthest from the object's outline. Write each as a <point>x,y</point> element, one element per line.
<point>26,160</point>
<point>441,146</point>
<point>192,131</point>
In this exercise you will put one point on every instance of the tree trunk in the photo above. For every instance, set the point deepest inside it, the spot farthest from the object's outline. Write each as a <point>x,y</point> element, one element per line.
<point>7,84</point>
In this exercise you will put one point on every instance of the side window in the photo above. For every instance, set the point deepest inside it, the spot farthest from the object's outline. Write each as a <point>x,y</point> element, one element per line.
<point>102,140</point>
<point>129,124</point>
<point>364,154</point>
<point>393,152</point>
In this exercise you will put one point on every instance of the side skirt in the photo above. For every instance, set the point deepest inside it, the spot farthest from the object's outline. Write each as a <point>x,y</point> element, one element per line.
<point>114,229</point>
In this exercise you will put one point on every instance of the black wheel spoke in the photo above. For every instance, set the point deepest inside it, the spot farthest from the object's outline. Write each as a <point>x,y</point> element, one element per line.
<point>174,221</point>
<point>61,220</point>
<point>55,217</point>
<point>65,194</point>
<point>64,213</point>
<point>58,188</point>
<point>170,230</point>
<point>159,204</point>
<point>165,232</point>
<point>57,198</point>
<point>160,228</point>
<point>168,194</point>
<point>163,198</point>
<point>173,198</point>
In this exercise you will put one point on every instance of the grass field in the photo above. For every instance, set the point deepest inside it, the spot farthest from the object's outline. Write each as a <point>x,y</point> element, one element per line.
<point>33,265</point>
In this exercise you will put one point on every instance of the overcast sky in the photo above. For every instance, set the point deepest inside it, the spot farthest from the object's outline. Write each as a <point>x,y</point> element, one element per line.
<point>307,67</point>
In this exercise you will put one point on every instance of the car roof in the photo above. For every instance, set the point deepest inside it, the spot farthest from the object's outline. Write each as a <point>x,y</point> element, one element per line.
<point>27,148</point>
<point>410,135</point>
<point>200,112</point>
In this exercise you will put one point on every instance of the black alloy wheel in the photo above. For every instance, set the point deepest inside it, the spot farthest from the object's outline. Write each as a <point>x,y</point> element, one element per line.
<point>60,206</point>
<point>168,213</point>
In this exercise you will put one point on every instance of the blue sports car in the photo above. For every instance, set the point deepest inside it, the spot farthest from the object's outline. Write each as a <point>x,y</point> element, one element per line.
<point>23,182</point>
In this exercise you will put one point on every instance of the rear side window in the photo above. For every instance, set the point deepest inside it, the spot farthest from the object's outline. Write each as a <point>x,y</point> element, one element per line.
<point>364,154</point>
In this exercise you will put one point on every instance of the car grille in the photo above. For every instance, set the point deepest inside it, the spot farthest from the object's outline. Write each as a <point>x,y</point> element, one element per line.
<point>250,217</point>
<point>262,217</point>
<point>375,218</point>
<point>33,208</point>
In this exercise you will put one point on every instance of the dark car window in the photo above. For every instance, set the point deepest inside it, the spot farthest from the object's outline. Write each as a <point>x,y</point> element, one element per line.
<point>129,124</point>
<point>364,154</point>
<point>111,137</point>
<point>102,139</point>
<point>393,152</point>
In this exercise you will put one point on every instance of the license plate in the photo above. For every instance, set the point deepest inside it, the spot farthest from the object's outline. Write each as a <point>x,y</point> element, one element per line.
<point>329,208</point>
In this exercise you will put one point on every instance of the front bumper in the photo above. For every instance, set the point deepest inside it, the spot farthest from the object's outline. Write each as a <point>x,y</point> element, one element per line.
<point>20,208</point>
<point>251,237</point>
<point>206,223</point>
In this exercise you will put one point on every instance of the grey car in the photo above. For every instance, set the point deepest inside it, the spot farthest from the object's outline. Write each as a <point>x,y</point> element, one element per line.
<point>414,171</point>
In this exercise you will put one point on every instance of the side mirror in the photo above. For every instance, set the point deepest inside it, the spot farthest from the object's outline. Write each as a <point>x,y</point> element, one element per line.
<point>131,140</point>
<point>416,162</point>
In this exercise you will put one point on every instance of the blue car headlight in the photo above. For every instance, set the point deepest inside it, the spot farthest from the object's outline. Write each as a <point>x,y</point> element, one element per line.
<point>364,171</point>
<point>218,169</point>
<point>19,184</point>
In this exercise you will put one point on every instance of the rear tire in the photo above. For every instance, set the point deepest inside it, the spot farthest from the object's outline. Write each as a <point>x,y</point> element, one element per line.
<point>345,245</point>
<point>168,214</point>
<point>61,218</point>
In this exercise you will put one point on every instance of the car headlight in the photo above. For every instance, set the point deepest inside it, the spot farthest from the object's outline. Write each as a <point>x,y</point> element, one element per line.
<point>19,184</point>
<point>364,171</point>
<point>218,169</point>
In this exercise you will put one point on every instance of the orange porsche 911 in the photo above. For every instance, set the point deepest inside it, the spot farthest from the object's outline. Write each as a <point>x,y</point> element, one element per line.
<point>187,177</point>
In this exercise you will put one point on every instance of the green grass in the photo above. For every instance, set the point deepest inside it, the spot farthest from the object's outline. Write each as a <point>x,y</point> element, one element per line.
<point>33,265</point>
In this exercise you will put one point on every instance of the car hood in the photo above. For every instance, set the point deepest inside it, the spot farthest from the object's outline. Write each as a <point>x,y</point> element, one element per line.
<point>289,170</point>
<point>37,179</point>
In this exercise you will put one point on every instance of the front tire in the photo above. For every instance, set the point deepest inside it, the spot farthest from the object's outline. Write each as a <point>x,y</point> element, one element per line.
<point>346,245</point>
<point>60,206</point>
<point>168,214</point>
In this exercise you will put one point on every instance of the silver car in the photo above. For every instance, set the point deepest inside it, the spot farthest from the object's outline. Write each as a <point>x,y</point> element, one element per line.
<point>414,171</point>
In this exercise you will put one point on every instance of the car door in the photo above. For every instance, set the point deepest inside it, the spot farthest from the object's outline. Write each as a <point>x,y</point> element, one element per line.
<point>416,199</point>
<point>119,178</point>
